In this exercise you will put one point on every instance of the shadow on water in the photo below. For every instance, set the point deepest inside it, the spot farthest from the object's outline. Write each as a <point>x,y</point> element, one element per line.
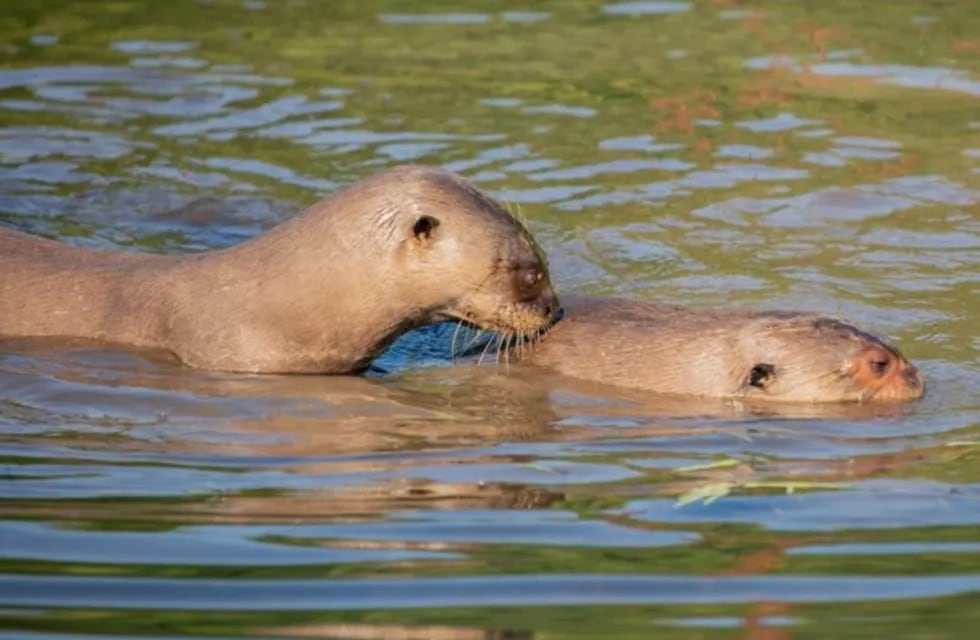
<point>811,156</point>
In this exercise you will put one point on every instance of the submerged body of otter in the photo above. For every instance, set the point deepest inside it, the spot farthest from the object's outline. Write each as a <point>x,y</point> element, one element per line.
<point>782,356</point>
<point>325,292</point>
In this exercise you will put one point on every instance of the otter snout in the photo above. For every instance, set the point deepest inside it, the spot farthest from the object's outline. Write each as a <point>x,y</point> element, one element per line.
<point>906,383</point>
<point>884,374</point>
<point>547,305</point>
<point>538,304</point>
<point>914,378</point>
<point>537,314</point>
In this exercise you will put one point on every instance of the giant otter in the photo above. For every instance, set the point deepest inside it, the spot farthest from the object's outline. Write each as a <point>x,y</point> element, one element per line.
<point>773,355</point>
<point>324,292</point>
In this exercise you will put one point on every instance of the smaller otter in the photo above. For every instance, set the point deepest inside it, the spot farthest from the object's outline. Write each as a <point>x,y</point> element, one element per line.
<point>324,292</point>
<point>772,355</point>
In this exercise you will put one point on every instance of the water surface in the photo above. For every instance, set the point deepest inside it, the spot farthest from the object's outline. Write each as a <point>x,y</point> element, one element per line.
<point>818,156</point>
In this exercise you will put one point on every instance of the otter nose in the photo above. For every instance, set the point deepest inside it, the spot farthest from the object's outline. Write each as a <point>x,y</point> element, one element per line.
<point>913,378</point>
<point>547,304</point>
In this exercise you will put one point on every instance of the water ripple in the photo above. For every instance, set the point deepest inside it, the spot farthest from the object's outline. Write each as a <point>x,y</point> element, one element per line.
<point>646,7</point>
<point>515,590</point>
<point>793,159</point>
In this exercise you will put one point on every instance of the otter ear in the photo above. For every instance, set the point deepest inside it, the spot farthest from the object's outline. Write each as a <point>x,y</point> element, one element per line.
<point>424,227</point>
<point>761,375</point>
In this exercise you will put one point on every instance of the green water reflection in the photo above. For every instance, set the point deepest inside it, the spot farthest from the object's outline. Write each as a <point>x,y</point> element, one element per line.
<point>821,155</point>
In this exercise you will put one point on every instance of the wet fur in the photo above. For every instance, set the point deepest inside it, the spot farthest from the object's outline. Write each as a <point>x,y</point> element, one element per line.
<point>325,292</point>
<point>704,352</point>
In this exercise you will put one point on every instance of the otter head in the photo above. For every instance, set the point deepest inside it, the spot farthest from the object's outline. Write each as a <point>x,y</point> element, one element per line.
<point>811,359</point>
<point>468,258</point>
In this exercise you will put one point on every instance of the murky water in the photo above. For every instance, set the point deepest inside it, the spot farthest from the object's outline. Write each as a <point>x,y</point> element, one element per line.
<point>821,156</point>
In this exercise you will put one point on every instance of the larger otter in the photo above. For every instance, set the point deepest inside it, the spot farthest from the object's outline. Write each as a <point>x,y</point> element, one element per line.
<point>325,292</point>
<point>782,356</point>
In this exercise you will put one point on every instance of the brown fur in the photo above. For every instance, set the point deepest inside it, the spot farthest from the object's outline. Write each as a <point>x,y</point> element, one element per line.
<point>325,292</point>
<point>706,352</point>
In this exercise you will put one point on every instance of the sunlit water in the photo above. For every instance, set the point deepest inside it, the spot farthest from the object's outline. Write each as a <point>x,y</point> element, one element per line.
<point>708,153</point>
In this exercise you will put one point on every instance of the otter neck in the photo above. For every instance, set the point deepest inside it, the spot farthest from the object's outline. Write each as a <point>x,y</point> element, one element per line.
<point>364,277</point>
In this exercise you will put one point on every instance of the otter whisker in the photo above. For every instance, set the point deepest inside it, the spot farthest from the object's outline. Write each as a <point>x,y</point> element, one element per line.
<point>528,343</point>
<point>829,378</point>
<point>452,344</point>
<point>501,345</point>
<point>535,339</point>
<point>516,211</point>
<point>474,340</point>
<point>486,349</point>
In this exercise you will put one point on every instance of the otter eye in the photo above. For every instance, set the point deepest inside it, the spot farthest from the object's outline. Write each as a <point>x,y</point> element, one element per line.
<point>528,280</point>
<point>532,277</point>
<point>761,374</point>
<point>878,363</point>
<point>424,226</point>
